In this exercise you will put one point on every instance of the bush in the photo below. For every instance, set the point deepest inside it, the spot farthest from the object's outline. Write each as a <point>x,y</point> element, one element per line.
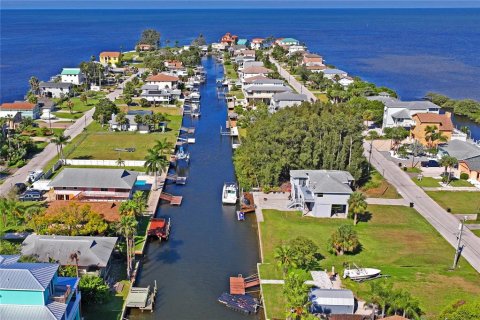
<point>94,289</point>
<point>464,176</point>
<point>21,163</point>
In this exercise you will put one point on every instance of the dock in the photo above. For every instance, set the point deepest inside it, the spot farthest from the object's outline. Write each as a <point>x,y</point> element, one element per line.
<point>142,298</point>
<point>188,130</point>
<point>238,284</point>
<point>177,179</point>
<point>245,304</point>
<point>174,200</point>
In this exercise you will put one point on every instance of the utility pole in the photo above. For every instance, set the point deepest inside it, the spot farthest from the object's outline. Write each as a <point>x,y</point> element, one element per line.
<point>459,244</point>
<point>370,156</point>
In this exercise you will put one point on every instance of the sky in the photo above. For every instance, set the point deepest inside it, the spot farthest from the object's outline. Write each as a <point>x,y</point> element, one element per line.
<point>231,4</point>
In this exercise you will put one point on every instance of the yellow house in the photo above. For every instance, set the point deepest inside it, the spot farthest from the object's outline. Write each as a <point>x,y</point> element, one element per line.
<point>471,167</point>
<point>107,57</point>
<point>443,122</point>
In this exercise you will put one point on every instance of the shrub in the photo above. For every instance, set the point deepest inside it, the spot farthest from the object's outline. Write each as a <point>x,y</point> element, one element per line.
<point>464,176</point>
<point>94,289</point>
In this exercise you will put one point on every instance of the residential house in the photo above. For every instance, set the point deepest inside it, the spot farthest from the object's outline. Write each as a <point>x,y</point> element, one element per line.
<point>243,42</point>
<point>131,124</point>
<point>251,80</point>
<point>459,149</point>
<point>173,64</point>
<point>92,255</point>
<point>334,73</point>
<point>73,76</point>
<point>163,81</point>
<point>294,49</point>
<point>110,211</point>
<point>287,42</point>
<point>157,93</point>
<point>311,59</point>
<point>285,99</point>
<point>229,39</point>
<point>248,64</point>
<point>241,59</point>
<point>13,120</point>
<point>331,301</point>
<point>321,193</point>
<point>35,291</point>
<point>316,69</point>
<point>345,82</point>
<point>111,58</point>
<point>471,167</point>
<point>254,71</point>
<point>219,46</point>
<point>264,89</point>
<point>27,109</point>
<point>399,113</point>
<point>443,122</point>
<point>55,89</point>
<point>257,43</point>
<point>145,47</point>
<point>94,184</point>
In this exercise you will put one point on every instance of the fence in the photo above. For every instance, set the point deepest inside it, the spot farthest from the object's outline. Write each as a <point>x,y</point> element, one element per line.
<point>105,163</point>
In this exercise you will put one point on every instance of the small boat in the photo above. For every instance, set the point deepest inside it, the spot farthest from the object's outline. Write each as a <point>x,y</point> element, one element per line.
<point>229,193</point>
<point>240,215</point>
<point>245,304</point>
<point>360,274</point>
<point>182,155</point>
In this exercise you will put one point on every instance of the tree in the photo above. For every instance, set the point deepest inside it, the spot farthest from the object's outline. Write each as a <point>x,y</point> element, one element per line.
<point>129,208</point>
<point>417,150</point>
<point>104,110</point>
<point>432,135</point>
<point>60,140</point>
<point>380,294</point>
<point>151,37</point>
<point>34,85</point>
<point>128,99</point>
<point>284,257</point>
<point>84,98</point>
<point>32,98</point>
<point>94,289</point>
<point>141,201</point>
<point>397,134</point>
<point>70,106</point>
<point>344,239</point>
<point>304,252</point>
<point>357,205</point>
<point>448,162</point>
<point>296,295</point>
<point>144,103</point>
<point>462,310</point>
<point>155,162</point>
<point>122,120</point>
<point>127,227</point>
<point>163,145</point>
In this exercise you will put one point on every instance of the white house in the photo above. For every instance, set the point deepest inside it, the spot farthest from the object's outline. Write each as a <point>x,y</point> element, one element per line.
<point>73,76</point>
<point>285,99</point>
<point>293,49</point>
<point>55,89</point>
<point>332,73</point>
<point>164,81</point>
<point>321,193</point>
<point>332,301</point>
<point>252,71</point>
<point>131,124</point>
<point>345,82</point>
<point>256,43</point>
<point>399,113</point>
<point>263,90</point>
<point>157,93</point>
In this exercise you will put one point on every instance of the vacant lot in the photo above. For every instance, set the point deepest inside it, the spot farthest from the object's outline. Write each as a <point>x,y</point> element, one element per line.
<point>459,202</point>
<point>396,240</point>
<point>378,187</point>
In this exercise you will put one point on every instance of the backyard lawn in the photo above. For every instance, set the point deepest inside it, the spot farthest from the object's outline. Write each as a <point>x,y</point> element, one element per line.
<point>396,240</point>
<point>109,310</point>
<point>165,110</point>
<point>378,187</point>
<point>140,238</point>
<point>427,182</point>
<point>460,202</point>
<point>230,72</point>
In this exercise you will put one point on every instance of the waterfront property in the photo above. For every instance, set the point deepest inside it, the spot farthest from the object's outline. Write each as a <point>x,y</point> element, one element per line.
<point>285,99</point>
<point>252,71</point>
<point>229,39</point>
<point>130,125</point>
<point>332,74</point>
<point>55,89</point>
<point>110,211</point>
<point>27,109</point>
<point>331,301</point>
<point>263,89</point>
<point>287,42</point>
<point>73,76</point>
<point>459,149</point>
<point>144,47</point>
<point>35,291</point>
<point>160,93</point>
<point>257,43</point>
<point>110,58</point>
<point>91,255</point>
<point>94,184</point>
<point>399,113</point>
<point>312,59</point>
<point>162,81</point>
<point>321,193</point>
<point>442,122</point>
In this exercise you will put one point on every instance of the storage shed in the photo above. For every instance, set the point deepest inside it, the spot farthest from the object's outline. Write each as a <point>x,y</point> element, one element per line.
<point>332,301</point>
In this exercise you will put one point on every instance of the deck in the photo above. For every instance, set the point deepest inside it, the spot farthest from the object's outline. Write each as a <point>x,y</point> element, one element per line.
<point>173,200</point>
<point>238,284</point>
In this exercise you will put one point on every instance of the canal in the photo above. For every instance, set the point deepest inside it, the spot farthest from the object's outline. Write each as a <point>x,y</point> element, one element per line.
<point>207,244</point>
<point>462,121</point>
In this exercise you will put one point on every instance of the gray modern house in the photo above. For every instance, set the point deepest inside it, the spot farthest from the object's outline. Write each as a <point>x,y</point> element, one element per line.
<point>321,193</point>
<point>91,254</point>
<point>285,99</point>
<point>332,301</point>
<point>55,89</point>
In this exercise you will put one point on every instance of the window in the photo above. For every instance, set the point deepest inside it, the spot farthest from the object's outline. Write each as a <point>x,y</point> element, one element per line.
<point>103,189</point>
<point>319,195</point>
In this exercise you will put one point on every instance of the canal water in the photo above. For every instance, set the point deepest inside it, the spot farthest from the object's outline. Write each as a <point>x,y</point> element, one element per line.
<point>207,244</point>
<point>462,121</point>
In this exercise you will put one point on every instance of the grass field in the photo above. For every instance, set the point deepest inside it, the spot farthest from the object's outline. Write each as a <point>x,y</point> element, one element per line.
<point>460,202</point>
<point>378,187</point>
<point>396,240</point>
<point>140,238</point>
<point>110,310</point>
<point>174,111</point>
<point>230,72</point>
<point>427,182</point>
<point>476,232</point>
<point>99,143</point>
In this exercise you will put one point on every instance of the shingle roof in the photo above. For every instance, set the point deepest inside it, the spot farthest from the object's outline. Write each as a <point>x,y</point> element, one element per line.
<point>270,88</point>
<point>18,106</point>
<point>161,77</point>
<point>256,70</point>
<point>267,81</point>
<point>114,54</point>
<point>410,105</point>
<point>289,96</point>
<point>71,71</point>
<point>53,311</point>
<point>326,181</point>
<point>62,85</point>
<point>443,120</point>
<point>252,79</point>
<point>26,276</point>
<point>91,251</point>
<point>461,149</point>
<point>95,178</point>
<point>333,71</point>
<point>402,114</point>
<point>473,163</point>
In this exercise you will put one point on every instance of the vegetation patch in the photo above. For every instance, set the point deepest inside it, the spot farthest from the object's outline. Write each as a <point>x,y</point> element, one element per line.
<point>378,187</point>
<point>459,202</point>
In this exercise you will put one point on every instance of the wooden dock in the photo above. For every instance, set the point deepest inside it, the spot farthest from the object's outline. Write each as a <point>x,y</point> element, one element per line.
<point>174,200</point>
<point>190,130</point>
<point>238,284</point>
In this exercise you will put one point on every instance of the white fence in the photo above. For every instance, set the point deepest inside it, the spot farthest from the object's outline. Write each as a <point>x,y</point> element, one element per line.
<point>106,163</point>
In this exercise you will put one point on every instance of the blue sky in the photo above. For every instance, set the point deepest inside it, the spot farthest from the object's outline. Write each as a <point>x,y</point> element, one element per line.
<point>207,4</point>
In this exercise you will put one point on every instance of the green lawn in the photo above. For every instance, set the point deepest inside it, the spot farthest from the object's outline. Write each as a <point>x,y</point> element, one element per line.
<point>460,202</point>
<point>237,93</point>
<point>99,143</point>
<point>140,238</point>
<point>230,72</point>
<point>396,240</point>
<point>378,187</point>
<point>460,183</point>
<point>275,304</point>
<point>476,232</point>
<point>427,182</point>
<point>166,110</point>
<point>67,115</point>
<point>110,310</point>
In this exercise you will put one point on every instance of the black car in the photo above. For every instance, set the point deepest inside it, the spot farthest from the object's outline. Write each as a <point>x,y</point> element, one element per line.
<point>430,164</point>
<point>20,187</point>
<point>31,195</point>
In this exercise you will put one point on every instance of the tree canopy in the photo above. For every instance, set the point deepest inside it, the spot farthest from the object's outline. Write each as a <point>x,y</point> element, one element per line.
<point>462,310</point>
<point>151,37</point>
<point>104,110</point>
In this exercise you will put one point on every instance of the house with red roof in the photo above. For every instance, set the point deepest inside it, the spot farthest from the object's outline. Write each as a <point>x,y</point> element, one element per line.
<point>163,81</point>
<point>442,122</point>
<point>27,109</point>
<point>229,39</point>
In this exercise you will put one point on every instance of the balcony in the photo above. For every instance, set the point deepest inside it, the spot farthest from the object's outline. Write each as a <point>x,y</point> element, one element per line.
<point>61,293</point>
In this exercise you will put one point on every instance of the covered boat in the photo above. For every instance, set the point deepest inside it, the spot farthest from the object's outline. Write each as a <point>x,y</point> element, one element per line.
<point>160,228</point>
<point>242,303</point>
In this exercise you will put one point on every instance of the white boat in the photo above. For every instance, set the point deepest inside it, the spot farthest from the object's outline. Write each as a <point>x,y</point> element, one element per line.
<point>229,193</point>
<point>358,274</point>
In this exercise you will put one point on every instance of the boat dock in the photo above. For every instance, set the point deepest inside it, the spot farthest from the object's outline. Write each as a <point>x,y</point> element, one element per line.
<point>188,130</point>
<point>174,200</point>
<point>142,298</point>
<point>238,284</point>
<point>177,179</point>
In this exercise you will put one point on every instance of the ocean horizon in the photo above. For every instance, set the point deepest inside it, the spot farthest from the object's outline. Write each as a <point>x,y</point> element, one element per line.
<point>412,51</point>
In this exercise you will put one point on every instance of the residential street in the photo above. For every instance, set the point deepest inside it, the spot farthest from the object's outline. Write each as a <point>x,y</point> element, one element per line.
<point>445,223</point>
<point>50,151</point>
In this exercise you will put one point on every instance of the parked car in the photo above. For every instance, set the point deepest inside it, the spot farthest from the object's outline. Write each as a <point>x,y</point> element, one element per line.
<point>430,163</point>
<point>31,195</point>
<point>20,187</point>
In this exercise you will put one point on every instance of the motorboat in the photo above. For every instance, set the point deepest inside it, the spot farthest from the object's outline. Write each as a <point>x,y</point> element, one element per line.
<point>182,154</point>
<point>360,274</point>
<point>229,193</point>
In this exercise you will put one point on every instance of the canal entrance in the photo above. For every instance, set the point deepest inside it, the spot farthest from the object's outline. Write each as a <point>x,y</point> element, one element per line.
<point>207,244</point>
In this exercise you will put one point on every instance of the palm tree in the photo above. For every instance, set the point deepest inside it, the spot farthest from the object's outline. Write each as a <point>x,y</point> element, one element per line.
<point>74,257</point>
<point>127,227</point>
<point>140,200</point>
<point>466,130</point>
<point>381,294</point>
<point>284,257</point>
<point>448,162</point>
<point>357,205</point>
<point>432,134</point>
<point>409,305</point>
<point>122,120</point>
<point>154,162</point>
<point>344,239</point>
<point>129,208</point>
<point>70,106</point>
<point>296,295</point>
<point>34,85</point>
<point>120,162</point>
<point>60,140</point>
<point>162,145</point>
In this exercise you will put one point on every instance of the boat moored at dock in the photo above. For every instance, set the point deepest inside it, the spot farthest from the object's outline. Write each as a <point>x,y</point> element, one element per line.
<point>229,193</point>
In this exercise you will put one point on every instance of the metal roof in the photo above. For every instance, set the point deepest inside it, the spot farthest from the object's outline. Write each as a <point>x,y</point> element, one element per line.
<point>267,81</point>
<point>58,85</point>
<point>326,181</point>
<point>332,297</point>
<point>95,178</point>
<point>7,259</point>
<point>460,149</point>
<point>91,251</point>
<point>53,311</point>
<point>411,105</point>
<point>289,96</point>
<point>71,71</point>
<point>26,276</point>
